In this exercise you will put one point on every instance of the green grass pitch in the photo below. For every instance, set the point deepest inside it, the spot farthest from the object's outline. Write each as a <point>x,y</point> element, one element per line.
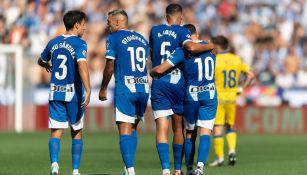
<point>27,154</point>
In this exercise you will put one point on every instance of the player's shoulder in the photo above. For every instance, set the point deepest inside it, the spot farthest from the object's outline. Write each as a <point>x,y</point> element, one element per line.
<point>235,58</point>
<point>180,51</point>
<point>143,39</point>
<point>158,27</point>
<point>78,40</point>
<point>119,34</point>
<point>179,28</point>
<point>139,35</point>
<point>56,39</point>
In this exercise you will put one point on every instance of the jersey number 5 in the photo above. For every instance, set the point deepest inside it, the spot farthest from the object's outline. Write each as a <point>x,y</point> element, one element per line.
<point>164,52</point>
<point>63,67</point>
<point>209,65</point>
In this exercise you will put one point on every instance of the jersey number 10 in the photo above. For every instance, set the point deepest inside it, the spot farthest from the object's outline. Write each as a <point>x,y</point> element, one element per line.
<point>209,62</point>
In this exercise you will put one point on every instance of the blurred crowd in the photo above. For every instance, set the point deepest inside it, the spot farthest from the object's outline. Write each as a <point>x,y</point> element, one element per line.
<point>269,35</point>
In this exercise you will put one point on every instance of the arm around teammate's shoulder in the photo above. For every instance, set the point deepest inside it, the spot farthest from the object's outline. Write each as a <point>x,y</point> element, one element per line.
<point>195,47</point>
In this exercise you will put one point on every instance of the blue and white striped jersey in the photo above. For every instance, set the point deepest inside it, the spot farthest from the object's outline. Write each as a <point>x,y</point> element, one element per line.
<point>198,72</point>
<point>130,50</point>
<point>64,52</point>
<point>163,40</point>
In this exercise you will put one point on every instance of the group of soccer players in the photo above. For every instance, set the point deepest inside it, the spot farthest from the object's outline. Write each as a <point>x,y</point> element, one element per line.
<point>183,90</point>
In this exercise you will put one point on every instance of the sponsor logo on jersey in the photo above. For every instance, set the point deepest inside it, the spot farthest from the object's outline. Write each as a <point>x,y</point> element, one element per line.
<point>59,88</point>
<point>197,89</point>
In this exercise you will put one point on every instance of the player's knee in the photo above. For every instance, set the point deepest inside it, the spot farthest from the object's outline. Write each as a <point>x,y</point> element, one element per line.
<point>229,128</point>
<point>76,134</point>
<point>218,130</point>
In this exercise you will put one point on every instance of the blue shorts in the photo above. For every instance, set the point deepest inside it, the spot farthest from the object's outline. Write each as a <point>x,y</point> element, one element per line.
<point>130,106</point>
<point>200,113</point>
<point>62,113</point>
<point>166,98</point>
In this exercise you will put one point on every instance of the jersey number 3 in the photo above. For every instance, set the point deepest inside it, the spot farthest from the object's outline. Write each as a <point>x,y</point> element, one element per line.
<point>63,67</point>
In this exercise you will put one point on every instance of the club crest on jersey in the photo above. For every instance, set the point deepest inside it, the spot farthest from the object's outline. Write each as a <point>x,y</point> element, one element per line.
<point>84,53</point>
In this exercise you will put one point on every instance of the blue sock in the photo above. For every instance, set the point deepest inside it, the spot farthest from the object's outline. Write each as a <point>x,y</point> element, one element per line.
<point>163,152</point>
<point>125,142</point>
<point>134,143</point>
<point>177,151</point>
<point>203,148</point>
<point>189,151</point>
<point>54,149</point>
<point>76,152</point>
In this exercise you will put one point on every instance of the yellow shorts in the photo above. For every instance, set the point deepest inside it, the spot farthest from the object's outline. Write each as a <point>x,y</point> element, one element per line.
<point>226,113</point>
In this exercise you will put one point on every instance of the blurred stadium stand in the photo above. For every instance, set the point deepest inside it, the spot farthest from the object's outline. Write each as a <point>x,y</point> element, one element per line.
<point>268,35</point>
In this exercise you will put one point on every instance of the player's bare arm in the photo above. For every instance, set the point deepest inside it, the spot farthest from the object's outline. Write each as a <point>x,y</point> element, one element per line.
<point>84,74</point>
<point>249,77</point>
<point>161,69</point>
<point>107,75</point>
<point>195,48</point>
<point>47,66</point>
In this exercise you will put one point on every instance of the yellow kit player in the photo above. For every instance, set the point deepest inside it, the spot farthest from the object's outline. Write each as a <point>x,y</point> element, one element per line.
<point>228,69</point>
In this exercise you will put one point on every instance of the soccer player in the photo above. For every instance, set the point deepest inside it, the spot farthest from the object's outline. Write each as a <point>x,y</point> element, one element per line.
<point>228,69</point>
<point>200,101</point>
<point>127,53</point>
<point>167,91</point>
<point>69,78</point>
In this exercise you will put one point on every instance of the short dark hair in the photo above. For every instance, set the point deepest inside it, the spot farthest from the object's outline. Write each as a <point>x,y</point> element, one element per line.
<point>191,28</point>
<point>72,17</point>
<point>221,41</point>
<point>173,8</point>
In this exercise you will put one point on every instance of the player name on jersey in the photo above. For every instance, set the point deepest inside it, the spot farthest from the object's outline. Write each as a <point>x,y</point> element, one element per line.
<point>63,45</point>
<point>168,33</point>
<point>127,39</point>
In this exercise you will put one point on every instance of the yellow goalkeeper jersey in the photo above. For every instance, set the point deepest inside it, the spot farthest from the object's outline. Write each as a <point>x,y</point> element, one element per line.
<point>227,71</point>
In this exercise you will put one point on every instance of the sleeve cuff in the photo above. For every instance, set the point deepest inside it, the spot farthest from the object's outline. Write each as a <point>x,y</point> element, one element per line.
<point>43,60</point>
<point>170,62</point>
<point>110,57</point>
<point>81,59</point>
<point>186,41</point>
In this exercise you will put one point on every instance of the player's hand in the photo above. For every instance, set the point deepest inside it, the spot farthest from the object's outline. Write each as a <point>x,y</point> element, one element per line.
<point>152,73</point>
<point>102,95</point>
<point>240,90</point>
<point>214,51</point>
<point>211,45</point>
<point>48,67</point>
<point>86,100</point>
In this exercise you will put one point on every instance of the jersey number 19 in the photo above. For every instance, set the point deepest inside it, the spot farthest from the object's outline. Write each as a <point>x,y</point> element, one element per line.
<point>139,54</point>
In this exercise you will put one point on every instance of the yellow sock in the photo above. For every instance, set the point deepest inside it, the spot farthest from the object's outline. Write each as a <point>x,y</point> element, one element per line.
<point>231,138</point>
<point>218,144</point>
